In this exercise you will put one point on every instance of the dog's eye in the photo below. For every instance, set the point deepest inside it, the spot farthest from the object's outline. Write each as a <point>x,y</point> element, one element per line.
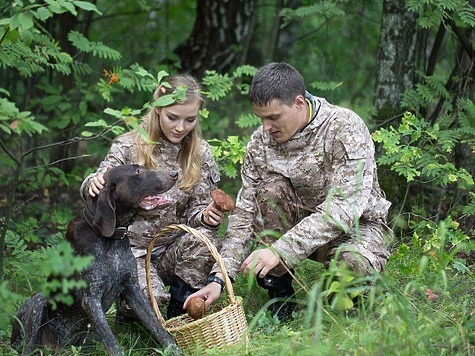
<point>138,171</point>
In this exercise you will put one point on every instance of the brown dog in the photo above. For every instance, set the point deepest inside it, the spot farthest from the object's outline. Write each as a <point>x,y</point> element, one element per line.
<point>101,231</point>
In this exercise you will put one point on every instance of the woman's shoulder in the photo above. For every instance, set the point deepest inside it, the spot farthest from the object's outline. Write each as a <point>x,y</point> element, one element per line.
<point>126,138</point>
<point>205,146</point>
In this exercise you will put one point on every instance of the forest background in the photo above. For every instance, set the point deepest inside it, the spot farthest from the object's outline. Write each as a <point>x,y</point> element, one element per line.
<point>75,74</point>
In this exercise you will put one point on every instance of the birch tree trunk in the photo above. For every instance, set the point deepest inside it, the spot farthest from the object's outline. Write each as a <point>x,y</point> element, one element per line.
<point>396,58</point>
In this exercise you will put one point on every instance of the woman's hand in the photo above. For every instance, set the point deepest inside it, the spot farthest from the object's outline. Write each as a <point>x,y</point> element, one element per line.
<point>212,215</point>
<point>96,184</point>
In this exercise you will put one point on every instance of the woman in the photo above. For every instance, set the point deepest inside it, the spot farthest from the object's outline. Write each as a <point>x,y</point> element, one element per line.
<point>180,260</point>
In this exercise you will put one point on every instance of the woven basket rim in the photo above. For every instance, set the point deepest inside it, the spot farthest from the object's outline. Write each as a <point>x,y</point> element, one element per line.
<point>215,254</point>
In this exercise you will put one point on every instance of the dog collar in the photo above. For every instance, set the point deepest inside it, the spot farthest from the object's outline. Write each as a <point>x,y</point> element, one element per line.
<point>120,232</point>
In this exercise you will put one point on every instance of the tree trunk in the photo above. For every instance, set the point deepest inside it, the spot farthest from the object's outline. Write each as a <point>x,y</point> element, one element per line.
<point>218,36</point>
<point>396,58</point>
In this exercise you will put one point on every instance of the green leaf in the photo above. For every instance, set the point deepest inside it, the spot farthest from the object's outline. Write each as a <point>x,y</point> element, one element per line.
<point>42,13</point>
<point>164,100</point>
<point>87,6</point>
<point>99,123</point>
<point>115,113</point>
<point>341,302</point>
<point>70,7</point>
<point>23,21</point>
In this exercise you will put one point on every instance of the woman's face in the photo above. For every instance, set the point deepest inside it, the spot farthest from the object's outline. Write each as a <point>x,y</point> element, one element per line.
<point>178,120</point>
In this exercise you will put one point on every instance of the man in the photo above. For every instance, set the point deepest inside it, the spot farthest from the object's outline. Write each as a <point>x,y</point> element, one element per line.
<point>309,173</point>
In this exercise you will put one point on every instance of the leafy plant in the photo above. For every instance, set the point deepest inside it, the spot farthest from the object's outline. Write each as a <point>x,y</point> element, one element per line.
<point>423,153</point>
<point>229,154</point>
<point>417,149</point>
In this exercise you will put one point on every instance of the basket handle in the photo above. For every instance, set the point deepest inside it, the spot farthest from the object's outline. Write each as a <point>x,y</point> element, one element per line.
<point>208,244</point>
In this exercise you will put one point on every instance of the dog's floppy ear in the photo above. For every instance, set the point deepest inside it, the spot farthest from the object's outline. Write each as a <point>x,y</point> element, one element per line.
<point>104,215</point>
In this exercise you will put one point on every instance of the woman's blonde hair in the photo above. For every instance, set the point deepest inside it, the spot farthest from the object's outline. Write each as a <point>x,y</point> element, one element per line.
<point>190,156</point>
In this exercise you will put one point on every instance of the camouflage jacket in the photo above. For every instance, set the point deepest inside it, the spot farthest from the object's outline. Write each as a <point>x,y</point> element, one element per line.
<point>332,168</point>
<point>187,207</point>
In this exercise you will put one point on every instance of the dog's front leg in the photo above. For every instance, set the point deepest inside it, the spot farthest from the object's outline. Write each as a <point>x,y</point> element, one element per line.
<point>142,308</point>
<point>102,330</point>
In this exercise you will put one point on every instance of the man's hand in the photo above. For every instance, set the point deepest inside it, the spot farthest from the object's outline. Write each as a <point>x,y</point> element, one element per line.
<point>260,262</point>
<point>209,293</point>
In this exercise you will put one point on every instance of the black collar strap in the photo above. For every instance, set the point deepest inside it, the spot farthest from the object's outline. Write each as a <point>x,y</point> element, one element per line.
<point>120,232</point>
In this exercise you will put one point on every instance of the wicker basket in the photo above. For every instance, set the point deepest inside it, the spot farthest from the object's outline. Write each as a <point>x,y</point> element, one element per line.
<point>225,326</point>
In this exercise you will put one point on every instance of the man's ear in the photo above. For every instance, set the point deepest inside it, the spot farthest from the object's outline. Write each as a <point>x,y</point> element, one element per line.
<point>300,101</point>
<point>104,215</point>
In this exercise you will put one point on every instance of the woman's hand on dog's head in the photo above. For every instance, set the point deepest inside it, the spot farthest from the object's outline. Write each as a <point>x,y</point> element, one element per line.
<point>96,184</point>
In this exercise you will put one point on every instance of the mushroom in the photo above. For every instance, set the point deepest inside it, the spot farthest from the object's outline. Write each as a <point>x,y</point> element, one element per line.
<point>223,201</point>
<point>196,308</point>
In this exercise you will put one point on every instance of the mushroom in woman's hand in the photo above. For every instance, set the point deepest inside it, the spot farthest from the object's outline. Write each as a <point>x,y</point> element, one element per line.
<point>223,201</point>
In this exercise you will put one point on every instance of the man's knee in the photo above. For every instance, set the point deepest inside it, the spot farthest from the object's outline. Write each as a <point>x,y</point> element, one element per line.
<point>277,189</point>
<point>278,205</point>
<point>361,264</point>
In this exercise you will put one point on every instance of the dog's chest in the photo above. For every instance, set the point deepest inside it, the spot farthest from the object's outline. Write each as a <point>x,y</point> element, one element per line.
<point>114,265</point>
<point>119,259</point>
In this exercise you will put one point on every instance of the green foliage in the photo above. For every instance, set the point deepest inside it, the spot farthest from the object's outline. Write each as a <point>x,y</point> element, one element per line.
<point>442,244</point>
<point>135,78</point>
<point>48,270</point>
<point>422,303</point>
<point>417,149</point>
<point>60,265</point>
<point>248,121</point>
<point>36,59</point>
<point>229,154</point>
<point>27,47</point>
<point>328,9</point>
<point>428,91</point>
<point>96,48</point>
<point>433,12</point>
<point>12,121</point>
<point>219,85</point>
<point>326,86</point>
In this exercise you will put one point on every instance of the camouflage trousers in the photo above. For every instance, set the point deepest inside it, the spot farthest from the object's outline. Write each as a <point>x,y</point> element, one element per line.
<point>364,249</point>
<point>185,257</point>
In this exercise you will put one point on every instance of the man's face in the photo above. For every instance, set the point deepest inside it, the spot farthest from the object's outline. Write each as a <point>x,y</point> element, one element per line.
<point>283,121</point>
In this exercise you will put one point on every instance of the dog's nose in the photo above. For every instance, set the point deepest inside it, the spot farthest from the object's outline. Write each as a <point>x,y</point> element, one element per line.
<point>174,174</point>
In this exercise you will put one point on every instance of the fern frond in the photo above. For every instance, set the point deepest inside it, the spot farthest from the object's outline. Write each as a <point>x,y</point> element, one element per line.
<point>248,120</point>
<point>245,70</point>
<point>80,68</point>
<point>327,9</point>
<point>469,209</point>
<point>464,15</point>
<point>96,48</point>
<point>326,86</point>
<point>21,58</point>
<point>217,84</point>
<point>131,81</point>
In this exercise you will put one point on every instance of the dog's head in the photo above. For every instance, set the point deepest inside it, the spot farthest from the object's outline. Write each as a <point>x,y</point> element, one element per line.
<point>128,189</point>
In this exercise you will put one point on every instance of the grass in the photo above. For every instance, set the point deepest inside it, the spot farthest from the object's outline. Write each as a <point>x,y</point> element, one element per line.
<point>416,307</point>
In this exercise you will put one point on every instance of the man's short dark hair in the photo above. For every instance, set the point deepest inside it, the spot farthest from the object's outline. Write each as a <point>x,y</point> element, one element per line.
<point>278,81</point>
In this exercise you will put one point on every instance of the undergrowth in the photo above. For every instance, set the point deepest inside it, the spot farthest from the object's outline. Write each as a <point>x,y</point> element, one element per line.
<point>422,304</point>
